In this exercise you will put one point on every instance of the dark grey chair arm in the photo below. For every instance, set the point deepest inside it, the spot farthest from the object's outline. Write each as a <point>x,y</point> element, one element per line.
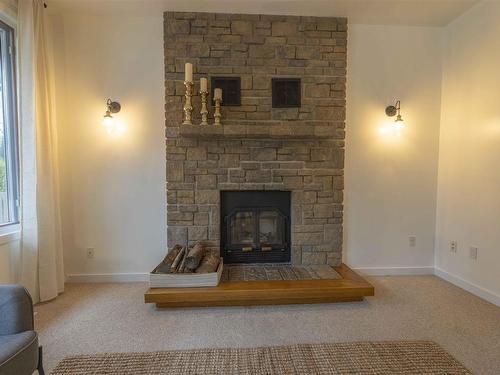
<point>16,310</point>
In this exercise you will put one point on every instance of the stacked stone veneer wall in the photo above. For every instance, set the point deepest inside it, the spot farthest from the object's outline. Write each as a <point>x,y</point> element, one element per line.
<point>257,48</point>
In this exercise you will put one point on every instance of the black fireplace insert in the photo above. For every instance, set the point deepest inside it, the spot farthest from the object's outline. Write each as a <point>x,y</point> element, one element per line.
<point>255,226</point>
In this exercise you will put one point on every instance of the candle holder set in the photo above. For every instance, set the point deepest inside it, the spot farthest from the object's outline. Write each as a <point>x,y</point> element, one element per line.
<point>188,104</point>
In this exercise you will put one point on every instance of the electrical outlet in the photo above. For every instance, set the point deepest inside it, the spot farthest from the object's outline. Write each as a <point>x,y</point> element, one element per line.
<point>473,252</point>
<point>453,246</point>
<point>90,252</point>
<point>412,241</point>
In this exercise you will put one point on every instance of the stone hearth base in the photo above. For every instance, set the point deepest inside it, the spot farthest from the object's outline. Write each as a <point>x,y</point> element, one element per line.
<point>254,272</point>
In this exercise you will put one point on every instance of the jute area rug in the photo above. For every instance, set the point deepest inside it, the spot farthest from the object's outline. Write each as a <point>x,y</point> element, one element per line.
<point>408,357</point>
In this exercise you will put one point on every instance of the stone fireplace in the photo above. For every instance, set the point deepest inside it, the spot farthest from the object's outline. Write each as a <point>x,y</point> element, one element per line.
<point>296,151</point>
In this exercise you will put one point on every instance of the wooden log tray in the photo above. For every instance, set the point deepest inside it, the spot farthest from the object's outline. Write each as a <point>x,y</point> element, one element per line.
<point>185,280</point>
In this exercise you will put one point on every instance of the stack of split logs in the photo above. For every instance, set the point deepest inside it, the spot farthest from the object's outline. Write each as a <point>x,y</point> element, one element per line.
<point>183,259</point>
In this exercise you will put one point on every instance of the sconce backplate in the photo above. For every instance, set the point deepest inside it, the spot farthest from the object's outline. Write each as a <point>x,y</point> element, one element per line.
<point>114,107</point>
<point>391,111</point>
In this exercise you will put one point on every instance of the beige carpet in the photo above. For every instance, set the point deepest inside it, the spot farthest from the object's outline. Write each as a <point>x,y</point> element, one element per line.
<point>411,357</point>
<point>254,272</point>
<point>112,318</point>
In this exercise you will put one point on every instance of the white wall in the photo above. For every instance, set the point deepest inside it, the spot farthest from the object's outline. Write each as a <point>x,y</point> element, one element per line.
<point>113,187</point>
<point>469,162</point>
<point>391,178</point>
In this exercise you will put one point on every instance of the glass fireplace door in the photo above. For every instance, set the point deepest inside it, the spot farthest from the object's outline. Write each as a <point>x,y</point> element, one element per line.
<point>242,228</point>
<point>271,229</point>
<point>255,226</point>
<point>251,232</point>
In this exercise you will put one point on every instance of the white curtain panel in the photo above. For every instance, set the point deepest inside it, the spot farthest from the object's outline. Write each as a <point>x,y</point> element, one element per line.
<point>42,260</point>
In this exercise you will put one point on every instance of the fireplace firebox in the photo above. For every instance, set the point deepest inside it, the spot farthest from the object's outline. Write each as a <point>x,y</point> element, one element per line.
<point>255,226</point>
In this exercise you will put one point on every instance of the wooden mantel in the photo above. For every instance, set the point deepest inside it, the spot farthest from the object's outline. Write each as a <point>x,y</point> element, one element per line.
<point>351,287</point>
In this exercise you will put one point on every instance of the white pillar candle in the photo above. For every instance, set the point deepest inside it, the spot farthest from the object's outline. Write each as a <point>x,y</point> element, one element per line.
<point>203,84</point>
<point>188,72</point>
<point>218,93</point>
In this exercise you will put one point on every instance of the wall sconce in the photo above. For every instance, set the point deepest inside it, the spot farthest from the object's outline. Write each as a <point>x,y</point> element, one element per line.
<point>395,110</point>
<point>108,121</point>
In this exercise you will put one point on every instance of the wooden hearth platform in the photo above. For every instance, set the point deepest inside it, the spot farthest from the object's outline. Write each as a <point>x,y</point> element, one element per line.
<point>351,287</point>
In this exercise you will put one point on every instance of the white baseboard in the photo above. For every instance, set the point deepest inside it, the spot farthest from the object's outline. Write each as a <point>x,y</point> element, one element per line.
<point>468,286</point>
<point>141,277</point>
<point>108,278</point>
<point>370,271</point>
<point>394,271</point>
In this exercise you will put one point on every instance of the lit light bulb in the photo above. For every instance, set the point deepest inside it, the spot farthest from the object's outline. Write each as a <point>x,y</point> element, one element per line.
<point>108,122</point>
<point>112,125</point>
<point>399,124</point>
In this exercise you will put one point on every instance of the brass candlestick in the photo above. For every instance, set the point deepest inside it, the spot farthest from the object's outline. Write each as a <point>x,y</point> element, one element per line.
<point>188,106</point>
<point>204,110</point>
<point>217,113</point>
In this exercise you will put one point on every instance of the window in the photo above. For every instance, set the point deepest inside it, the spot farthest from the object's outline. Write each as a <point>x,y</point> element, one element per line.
<point>9,161</point>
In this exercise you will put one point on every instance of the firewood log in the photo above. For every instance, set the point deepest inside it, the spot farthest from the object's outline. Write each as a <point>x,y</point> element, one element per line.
<point>177,260</point>
<point>194,256</point>
<point>166,263</point>
<point>182,265</point>
<point>209,264</point>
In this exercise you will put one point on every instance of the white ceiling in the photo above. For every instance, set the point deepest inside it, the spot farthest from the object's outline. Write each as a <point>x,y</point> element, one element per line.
<point>375,12</point>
